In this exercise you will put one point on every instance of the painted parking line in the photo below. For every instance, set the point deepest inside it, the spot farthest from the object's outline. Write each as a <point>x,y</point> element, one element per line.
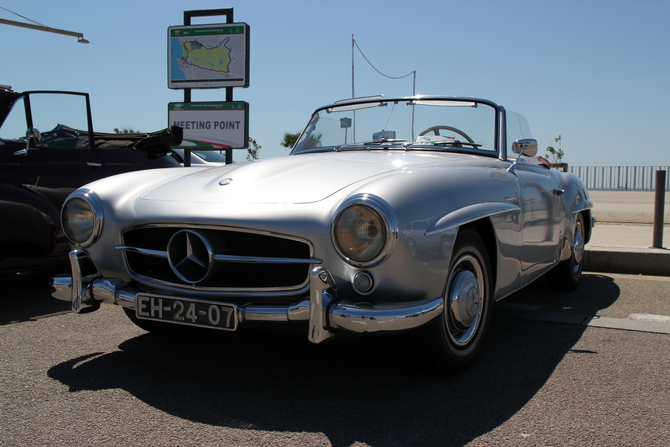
<point>635,322</point>
<point>660,325</point>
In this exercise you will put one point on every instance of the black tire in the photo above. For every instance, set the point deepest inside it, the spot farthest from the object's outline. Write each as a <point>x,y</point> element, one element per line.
<point>567,274</point>
<point>453,341</point>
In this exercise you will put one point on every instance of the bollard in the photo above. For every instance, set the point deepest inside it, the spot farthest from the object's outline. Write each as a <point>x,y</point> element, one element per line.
<point>659,209</point>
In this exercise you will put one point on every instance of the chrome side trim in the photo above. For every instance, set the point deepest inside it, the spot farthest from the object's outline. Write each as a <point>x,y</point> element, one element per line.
<point>469,214</point>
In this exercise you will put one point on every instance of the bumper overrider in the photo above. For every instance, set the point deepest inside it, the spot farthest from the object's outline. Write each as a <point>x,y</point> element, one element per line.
<point>323,310</point>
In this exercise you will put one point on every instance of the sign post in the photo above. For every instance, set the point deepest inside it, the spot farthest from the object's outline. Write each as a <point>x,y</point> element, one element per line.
<point>209,56</point>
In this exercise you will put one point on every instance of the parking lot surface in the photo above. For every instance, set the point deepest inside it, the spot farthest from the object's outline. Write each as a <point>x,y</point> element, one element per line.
<point>549,375</point>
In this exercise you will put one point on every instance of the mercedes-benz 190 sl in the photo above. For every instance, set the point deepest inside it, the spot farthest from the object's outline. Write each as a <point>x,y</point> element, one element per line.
<point>389,215</point>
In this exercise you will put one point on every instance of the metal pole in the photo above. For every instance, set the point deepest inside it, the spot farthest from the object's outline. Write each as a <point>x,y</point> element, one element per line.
<point>353,95</point>
<point>79,36</point>
<point>659,209</point>
<point>228,13</point>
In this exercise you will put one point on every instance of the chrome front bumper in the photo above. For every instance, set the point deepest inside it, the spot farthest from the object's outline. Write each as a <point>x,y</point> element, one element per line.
<point>322,310</point>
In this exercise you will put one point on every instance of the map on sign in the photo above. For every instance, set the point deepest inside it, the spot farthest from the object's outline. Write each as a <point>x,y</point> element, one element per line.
<point>211,56</point>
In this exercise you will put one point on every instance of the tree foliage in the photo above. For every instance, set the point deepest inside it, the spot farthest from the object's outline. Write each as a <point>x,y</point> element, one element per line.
<point>253,149</point>
<point>289,139</point>
<point>555,155</point>
<point>125,130</point>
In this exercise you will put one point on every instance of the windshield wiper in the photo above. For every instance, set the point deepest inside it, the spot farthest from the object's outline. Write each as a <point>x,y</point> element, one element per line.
<point>347,146</point>
<point>382,143</point>
<point>444,144</point>
<point>384,140</point>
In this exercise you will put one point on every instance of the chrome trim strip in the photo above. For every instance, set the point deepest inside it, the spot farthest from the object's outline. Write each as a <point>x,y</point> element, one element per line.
<point>187,226</point>
<point>224,258</point>
<point>469,214</point>
<point>258,260</point>
<point>203,291</point>
<point>142,251</point>
<point>263,313</point>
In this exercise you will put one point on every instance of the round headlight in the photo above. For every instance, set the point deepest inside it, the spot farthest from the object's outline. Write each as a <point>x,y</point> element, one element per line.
<point>360,233</point>
<point>82,218</point>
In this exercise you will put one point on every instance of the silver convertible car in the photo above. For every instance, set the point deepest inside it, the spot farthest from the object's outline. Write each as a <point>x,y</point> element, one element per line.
<point>389,215</point>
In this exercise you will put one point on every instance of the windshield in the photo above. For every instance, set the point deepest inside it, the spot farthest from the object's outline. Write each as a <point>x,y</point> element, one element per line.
<point>406,124</point>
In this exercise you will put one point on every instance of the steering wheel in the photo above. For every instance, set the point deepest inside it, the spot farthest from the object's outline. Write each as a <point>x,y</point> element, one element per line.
<point>436,130</point>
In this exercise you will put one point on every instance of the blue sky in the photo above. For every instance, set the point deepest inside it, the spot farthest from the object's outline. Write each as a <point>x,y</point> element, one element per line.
<point>595,72</point>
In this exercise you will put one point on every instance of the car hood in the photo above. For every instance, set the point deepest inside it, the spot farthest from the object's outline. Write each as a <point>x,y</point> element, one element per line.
<point>301,178</point>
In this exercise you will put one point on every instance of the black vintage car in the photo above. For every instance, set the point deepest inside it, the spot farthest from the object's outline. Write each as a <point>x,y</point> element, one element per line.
<point>38,170</point>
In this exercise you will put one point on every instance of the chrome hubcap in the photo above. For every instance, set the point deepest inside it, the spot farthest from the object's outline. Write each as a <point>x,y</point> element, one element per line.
<point>464,296</point>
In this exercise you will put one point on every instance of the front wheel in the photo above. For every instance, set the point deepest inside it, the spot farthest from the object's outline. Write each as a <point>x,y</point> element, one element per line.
<point>456,337</point>
<point>568,273</point>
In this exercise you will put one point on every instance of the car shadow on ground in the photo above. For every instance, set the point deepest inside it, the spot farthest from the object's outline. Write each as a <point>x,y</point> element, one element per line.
<point>367,390</point>
<point>26,297</point>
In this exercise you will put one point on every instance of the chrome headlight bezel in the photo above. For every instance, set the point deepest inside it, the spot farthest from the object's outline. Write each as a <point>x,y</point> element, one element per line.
<point>389,229</point>
<point>91,228</point>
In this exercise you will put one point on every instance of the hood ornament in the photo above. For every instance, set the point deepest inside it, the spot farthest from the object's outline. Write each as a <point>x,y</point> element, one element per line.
<point>225,181</point>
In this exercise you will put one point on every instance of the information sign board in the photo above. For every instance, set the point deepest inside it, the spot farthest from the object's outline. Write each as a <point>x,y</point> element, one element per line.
<point>211,125</point>
<point>208,56</point>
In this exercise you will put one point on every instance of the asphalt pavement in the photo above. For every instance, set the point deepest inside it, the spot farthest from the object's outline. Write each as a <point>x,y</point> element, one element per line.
<point>624,234</point>
<point>96,379</point>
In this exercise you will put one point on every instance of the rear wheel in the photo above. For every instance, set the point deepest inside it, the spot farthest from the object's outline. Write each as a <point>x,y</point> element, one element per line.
<point>567,274</point>
<point>455,339</point>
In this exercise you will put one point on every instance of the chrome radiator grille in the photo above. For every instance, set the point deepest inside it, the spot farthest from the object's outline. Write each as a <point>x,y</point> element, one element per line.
<point>217,259</point>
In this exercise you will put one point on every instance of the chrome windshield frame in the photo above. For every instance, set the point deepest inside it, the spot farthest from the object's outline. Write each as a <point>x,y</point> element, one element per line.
<point>500,151</point>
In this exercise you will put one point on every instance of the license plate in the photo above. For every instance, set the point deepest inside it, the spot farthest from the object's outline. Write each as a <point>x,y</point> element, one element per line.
<point>187,311</point>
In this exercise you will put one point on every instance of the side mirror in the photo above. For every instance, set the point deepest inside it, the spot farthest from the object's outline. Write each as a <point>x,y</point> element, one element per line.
<point>527,147</point>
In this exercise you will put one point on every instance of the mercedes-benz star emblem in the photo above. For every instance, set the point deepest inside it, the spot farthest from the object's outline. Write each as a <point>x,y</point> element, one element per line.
<point>190,256</point>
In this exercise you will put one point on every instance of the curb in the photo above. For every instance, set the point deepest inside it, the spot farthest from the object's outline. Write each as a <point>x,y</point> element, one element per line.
<point>636,261</point>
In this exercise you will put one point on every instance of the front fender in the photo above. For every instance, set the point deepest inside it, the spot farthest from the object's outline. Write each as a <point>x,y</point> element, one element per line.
<point>469,214</point>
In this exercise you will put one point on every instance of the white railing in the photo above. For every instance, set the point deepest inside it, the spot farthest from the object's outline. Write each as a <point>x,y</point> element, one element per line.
<point>620,178</point>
